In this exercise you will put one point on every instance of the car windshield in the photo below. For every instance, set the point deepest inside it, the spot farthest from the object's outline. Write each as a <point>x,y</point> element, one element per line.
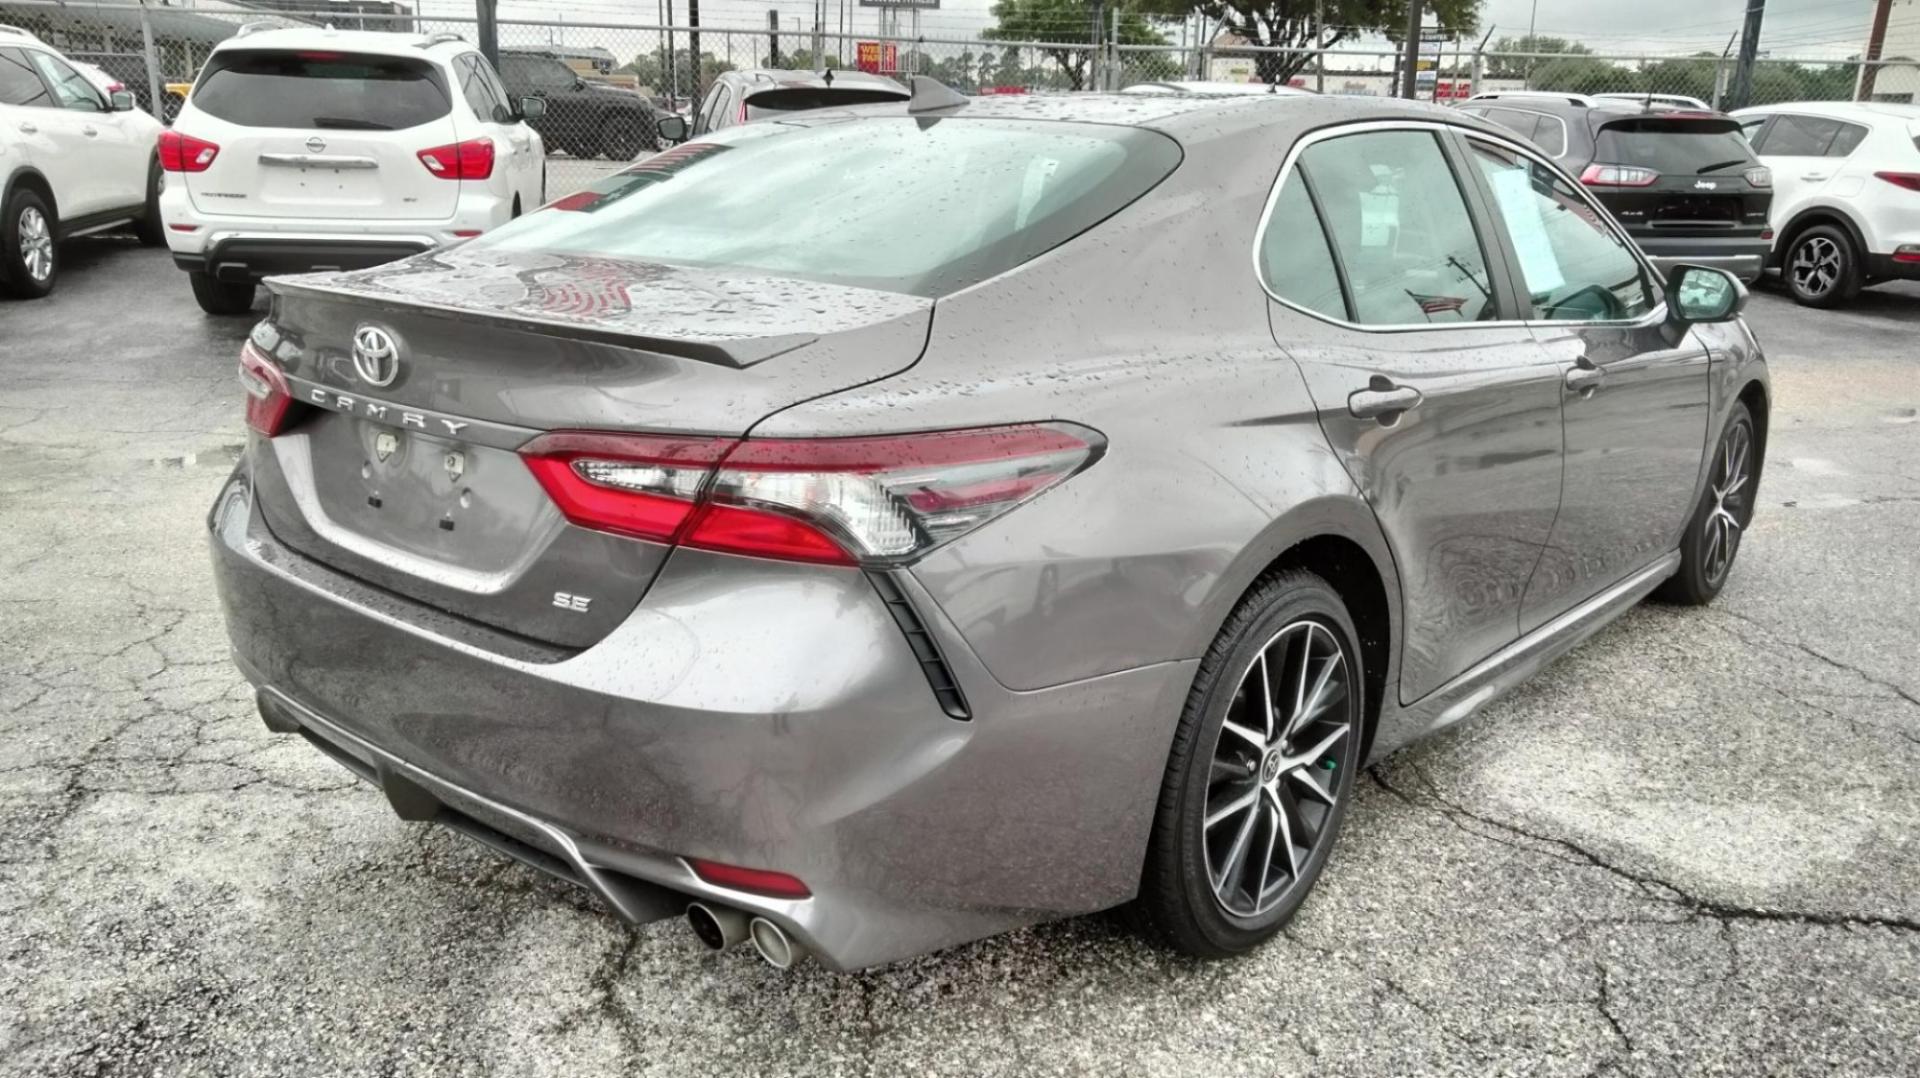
<point>1673,147</point>
<point>312,88</point>
<point>924,207</point>
<point>798,98</point>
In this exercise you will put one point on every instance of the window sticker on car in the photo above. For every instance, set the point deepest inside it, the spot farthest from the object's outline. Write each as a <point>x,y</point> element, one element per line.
<point>1379,213</point>
<point>1520,209</point>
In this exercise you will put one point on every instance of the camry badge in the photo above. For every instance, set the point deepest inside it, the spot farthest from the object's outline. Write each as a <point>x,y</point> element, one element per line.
<point>384,445</point>
<point>376,356</point>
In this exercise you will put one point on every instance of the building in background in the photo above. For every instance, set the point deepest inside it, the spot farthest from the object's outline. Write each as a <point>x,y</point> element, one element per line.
<point>1898,78</point>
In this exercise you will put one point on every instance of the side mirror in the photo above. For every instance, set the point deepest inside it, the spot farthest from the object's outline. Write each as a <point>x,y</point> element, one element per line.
<point>1698,294</point>
<point>122,101</point>
<point>533,108</point>
<point>579,84</point>
<point>673,128</point>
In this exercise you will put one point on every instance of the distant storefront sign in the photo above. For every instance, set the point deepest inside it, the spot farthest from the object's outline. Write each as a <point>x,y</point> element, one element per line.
<point>877,57</point>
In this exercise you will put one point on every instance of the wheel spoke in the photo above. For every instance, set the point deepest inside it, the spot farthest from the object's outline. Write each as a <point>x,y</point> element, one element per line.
<point>1228,770</point>
<point>1266,697</point>
<point>1246,733</point>
<point>1238,804</point>
<point>1237,853</point>
<point>1313,754</point>
<point>1303,776</point>
<point>1317,701</point>
<point>1286,836</point>
<point>1266,858</point>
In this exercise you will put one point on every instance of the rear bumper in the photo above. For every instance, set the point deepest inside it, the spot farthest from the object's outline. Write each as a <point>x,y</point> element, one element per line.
<point>252,258</point>
<point>1743,256</point>
<point>757,714</point>
<point>1884,268</point>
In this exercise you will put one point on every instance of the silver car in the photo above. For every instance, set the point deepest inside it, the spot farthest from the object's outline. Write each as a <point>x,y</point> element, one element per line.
<point>867,533</point>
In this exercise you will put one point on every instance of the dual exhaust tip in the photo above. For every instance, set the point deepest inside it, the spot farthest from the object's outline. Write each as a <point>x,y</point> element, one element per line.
<point>719,927</point>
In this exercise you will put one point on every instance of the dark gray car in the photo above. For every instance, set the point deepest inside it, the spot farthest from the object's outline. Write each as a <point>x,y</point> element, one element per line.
<point>881,531</point>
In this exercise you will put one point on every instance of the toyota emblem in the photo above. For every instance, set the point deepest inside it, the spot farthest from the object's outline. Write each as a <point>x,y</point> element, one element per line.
<point>376,357</point>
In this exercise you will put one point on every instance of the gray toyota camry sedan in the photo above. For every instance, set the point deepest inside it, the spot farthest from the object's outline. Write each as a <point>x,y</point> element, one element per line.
<point>870,531</point>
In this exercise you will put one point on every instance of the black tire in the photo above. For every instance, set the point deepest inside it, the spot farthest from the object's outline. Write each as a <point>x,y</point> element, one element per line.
<point>222,297</point>
<point>1822,267</point>
<point>150,230</point>
<point>1704,564</point>
<point>1179,902</point>
<point>621,139</point>
<point>29,265</point>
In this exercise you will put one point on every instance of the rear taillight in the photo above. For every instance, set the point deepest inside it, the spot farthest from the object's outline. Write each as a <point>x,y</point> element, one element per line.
<point>1908,253</point>
<point>268,399</point>
<point>184,153</point>
<point>1908,180</point>
<point>1759,176</point>
<point>1618,176</point>
<point>759,881</point>
<point>839,501</point>
<point>469,160</point>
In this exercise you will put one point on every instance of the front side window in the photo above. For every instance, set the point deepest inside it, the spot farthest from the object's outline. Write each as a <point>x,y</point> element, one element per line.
<point>70,88</point>
<point>1575,267</point>
<point>19,85</point>
<point>1400,228</point>
<point>895,204</point>
<point>1295,260</point>
<point>317,89</point>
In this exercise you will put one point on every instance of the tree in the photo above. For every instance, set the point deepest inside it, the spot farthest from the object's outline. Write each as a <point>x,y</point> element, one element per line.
<point>803,60</point>
<point>1069,23</point>
<point>647,70</point>
<point>1310,26</point>
<point>1501,65</point>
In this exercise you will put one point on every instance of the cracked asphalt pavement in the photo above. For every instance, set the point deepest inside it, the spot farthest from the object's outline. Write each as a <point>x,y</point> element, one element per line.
<point>1688,848</point>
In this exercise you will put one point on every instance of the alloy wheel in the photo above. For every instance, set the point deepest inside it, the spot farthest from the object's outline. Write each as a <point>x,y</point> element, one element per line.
<point>1277,766</point>
<point>1817,263</point>
<point>1732,505</point>
<point>36,244</point>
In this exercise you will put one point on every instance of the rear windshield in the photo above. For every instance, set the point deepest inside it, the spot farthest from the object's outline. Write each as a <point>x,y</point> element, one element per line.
<point>328,90</point>
<point>796,98</point>
<point>901,205</point>
<point>1674,147</point>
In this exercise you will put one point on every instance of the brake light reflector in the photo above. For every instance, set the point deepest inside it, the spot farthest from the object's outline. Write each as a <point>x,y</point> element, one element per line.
<point>1759,176</point>
<point>1618,176</point>
<point>1908,180</point>
<point>760,881</point>
<point>836,501</point>
<point>268,399</point>
<point>184,153</point>
<point>469,160</point>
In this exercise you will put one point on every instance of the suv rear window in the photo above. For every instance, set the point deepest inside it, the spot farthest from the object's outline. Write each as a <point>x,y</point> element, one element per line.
<point>317,89</point>
<point>899,205</point>
<point>794,99</point>
<point>1674,147</point>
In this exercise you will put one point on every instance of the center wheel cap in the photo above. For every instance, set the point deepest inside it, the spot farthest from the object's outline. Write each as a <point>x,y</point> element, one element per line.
<point>1270,767</point>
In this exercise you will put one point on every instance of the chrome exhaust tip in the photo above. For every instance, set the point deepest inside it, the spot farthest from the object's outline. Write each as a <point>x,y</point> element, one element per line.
<point>773,944</point>
<point>716,926</point>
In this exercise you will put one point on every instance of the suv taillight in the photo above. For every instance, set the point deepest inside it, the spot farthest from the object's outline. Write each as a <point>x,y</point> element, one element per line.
<point>268,399</point>
<point>184,153</point>
<point>839,501</point>
<point>1759,176</point>
<point>469,160</point>
<point>1908,180</point>
<point>1618,176</point>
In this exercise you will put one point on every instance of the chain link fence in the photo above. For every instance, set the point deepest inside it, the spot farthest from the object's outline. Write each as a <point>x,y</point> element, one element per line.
<point>657,70</point>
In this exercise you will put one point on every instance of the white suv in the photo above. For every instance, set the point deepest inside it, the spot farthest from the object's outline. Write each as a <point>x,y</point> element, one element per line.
<point>309,149</point>
<point>1846,194</point>
<point>73,160</point>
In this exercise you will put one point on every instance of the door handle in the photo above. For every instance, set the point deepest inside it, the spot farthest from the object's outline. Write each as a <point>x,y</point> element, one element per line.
<point>28,128</point>
<point>1584,378</point>
<point>89,131</point>
<point>1382,400</point>
<point>1811,176</point>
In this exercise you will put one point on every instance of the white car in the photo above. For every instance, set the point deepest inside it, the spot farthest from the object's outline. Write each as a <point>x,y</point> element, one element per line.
<point>73,161</point>
<point>308,149</point>
<point>1846,194</point>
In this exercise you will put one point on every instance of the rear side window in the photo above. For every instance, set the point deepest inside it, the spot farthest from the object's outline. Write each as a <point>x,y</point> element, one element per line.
<point>1295,260</point>
<point>1800,136</point>
<point>1848,140</point>
<point>796,98</point>
<point>1675,147</point>
<point>18,84</point>
<point>894,204</point>
<point>1401,231</point>
<point>327,90</point>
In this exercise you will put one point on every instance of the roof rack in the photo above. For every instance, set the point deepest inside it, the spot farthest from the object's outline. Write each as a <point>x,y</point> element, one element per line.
<point>9,28</point>
<point>440,37</point>
<point>256,26</point>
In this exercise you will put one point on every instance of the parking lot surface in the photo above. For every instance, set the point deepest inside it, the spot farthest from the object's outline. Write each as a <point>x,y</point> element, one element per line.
<point>1688,848</point>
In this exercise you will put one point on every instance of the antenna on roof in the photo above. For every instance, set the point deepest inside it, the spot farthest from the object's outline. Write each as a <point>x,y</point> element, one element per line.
<point>930,95</point>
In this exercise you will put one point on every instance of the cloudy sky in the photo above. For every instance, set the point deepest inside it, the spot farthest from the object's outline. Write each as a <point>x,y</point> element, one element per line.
<point>1811,28</point>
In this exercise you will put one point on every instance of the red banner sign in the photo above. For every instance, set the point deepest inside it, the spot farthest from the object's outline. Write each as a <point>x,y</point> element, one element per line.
<point>877,58</point>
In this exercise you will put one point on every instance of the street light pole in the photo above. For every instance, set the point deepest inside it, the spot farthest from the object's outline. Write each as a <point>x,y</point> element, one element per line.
<point>1410,62</point>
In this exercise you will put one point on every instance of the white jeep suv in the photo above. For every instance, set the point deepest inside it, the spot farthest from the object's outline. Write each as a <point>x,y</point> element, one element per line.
<point>73,160</point>
<point>1846,193</point>
<point>309,149</point>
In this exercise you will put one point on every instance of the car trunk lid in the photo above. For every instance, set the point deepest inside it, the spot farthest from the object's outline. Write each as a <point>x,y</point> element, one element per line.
<point>1700,183</point>
<point>415,485</point>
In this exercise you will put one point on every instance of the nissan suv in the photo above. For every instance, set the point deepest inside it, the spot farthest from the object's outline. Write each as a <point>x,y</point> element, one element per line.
<point>1684,182</point>
<point>308,149</point>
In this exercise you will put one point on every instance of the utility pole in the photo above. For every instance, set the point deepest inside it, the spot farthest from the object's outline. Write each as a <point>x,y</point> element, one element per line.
<point>1749,52</point>
<point>1410,60</point>
<point>773,37</point>
<point>1319,47</point>
<point>693,49</point>
<point>1876,40</point>
<point>489,30</point>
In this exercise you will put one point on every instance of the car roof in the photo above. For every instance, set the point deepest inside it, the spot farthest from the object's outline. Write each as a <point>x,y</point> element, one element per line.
<point>769,78</point>
<point>1213,89</point>
<point>15,35</point>
<point>1838,109</point>
<point>376,42</point>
